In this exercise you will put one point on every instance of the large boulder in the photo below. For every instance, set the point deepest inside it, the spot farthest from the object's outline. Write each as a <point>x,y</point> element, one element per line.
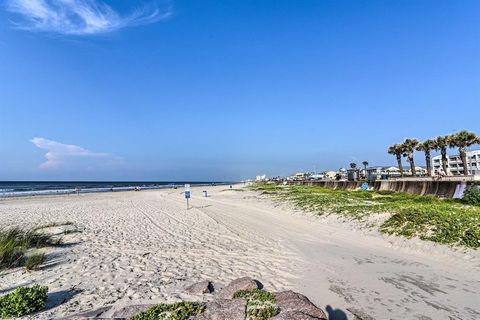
<point>292,301</point>
<point>245,283</point>
<point>224,309</point>
<point>201,287</point>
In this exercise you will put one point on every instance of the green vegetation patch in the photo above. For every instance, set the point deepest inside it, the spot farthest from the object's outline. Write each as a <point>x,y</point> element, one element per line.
<point>260,304</point>
<point>15,242</point>
<point>174,311</point>
<point>430,218</point>
<point>472,195</point>
<point>23,301</point>
<point>34,260</point>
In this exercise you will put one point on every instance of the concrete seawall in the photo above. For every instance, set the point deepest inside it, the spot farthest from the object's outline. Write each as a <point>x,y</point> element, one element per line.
<point>445,189</point>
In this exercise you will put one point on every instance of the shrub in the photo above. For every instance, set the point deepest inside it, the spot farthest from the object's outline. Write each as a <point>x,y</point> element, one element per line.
<point>174,311</point>
<point>23,301</point>
<point>472,195</point>
<point>34,260</point>
<point>260,304</point>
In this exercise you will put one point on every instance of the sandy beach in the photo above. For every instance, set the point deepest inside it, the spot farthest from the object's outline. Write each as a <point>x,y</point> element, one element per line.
<point>145,247</point>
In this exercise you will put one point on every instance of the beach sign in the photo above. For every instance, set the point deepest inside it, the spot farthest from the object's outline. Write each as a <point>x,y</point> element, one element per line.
<point>187,193</point>
<point>364,186</point>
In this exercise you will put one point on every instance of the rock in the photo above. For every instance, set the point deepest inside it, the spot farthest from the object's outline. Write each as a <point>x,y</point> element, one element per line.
<point>294,315</point>
<point>292,301</point>
<point>245,283</point>
<point>129,311</point>
<point>201,287</point>
<point>224,309</point>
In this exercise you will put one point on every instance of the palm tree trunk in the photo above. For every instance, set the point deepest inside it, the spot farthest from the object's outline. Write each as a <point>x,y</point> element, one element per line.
<point>427,160</point>
<point>399,161</point>
<point>444,160</point>
<point>463,156</point>
<point>412,165</point>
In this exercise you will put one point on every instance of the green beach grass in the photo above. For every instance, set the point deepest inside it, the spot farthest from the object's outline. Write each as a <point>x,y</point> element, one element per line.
<point>16,242</point>
<point>444,221</point>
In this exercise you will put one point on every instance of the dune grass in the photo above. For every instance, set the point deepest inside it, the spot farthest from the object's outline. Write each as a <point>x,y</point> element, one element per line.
<point>34,260</point>
<point>445,221</point>
<point>15,242</point>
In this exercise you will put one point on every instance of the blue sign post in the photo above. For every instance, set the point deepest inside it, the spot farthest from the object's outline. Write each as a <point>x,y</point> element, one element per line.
<point>187,194</point>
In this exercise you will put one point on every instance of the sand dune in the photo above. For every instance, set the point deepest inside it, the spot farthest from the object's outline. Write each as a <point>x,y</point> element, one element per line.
<point>146,247</point>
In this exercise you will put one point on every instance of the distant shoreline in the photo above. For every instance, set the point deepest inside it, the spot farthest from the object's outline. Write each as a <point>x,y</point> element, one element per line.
<point>14,189</point>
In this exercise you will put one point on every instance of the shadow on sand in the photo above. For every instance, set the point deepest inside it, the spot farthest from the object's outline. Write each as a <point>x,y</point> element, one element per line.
<point>335,314</point>
<point>58,297</point>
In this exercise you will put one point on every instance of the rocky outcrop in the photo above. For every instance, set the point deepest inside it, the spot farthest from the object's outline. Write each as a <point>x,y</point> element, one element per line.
<point>224,309</point>
<point>245,283</point>
<point>289,301</point>
<point>201,287</point>
<point>286,305</point>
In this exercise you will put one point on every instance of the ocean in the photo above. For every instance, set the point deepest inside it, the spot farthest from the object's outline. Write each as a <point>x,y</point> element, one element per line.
<point>32,188</point>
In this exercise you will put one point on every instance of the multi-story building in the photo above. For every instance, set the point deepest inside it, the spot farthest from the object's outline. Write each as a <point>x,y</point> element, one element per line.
<point>455,165</point>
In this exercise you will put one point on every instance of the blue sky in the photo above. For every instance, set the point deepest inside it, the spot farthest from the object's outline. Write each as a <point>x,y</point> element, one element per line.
<point>225,90</point>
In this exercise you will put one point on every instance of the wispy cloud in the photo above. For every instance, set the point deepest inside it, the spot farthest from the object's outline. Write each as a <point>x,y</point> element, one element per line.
<point>80,17</point>
<point>60,154</point>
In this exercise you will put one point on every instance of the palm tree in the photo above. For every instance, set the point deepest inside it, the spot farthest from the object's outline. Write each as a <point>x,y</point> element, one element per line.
<point>409,146</point>
<point>353,165</point>
<point>462,140</point>
<point>365,165</point>
<point>427,146</point>
<point>397,150</point>
<point>441,144</point>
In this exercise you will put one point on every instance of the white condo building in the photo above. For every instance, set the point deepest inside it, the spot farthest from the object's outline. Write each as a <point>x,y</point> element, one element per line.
<point>455,165</point>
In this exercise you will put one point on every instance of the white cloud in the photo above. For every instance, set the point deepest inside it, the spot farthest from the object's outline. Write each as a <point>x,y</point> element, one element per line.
<point>79,17</point>
<point>63,154</point>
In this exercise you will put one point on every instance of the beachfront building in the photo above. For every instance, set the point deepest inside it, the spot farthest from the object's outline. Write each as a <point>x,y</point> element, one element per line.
<point>317,176</point>
<point>382,173</point>
<point>419,171</point>
<point>352,174</point>
<point>376,173</point>
<point>393,171</point>
<point>324,176</point>
<point>455,165</point>
<point>299,176</point>
<point>262,177</point>
<point>330,175</point>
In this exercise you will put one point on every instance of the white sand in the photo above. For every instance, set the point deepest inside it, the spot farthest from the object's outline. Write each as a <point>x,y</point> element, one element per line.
<point>144,247</point>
